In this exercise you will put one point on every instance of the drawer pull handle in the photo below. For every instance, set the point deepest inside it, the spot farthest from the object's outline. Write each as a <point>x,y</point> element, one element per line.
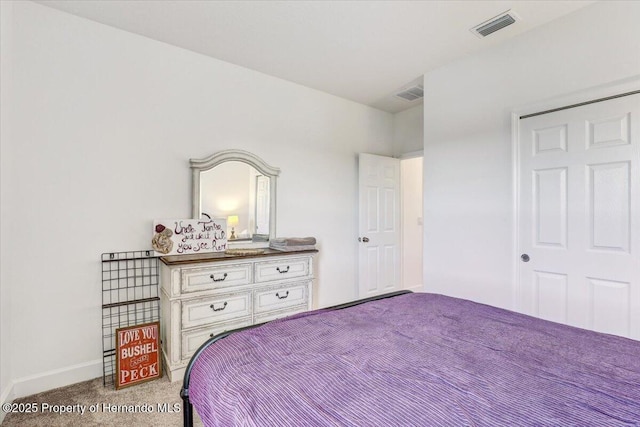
<point>282,297</point>
<point>212,306</point>
<point>224,276</point>
<point>284,270</point>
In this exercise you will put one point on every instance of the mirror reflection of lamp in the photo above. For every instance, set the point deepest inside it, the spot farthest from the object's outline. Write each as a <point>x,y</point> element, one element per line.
<point>232,221</point>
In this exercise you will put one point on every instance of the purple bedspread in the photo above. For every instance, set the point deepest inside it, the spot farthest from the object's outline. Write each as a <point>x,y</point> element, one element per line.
<point>418,360</point>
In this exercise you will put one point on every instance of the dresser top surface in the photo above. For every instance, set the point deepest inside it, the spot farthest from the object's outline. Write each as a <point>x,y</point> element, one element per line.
<point>222,256</point>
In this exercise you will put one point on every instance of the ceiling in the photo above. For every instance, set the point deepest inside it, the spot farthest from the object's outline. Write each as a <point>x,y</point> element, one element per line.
<point>365,51</point>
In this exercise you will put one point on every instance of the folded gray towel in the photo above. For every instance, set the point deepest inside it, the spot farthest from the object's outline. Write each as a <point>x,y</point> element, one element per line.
<point>293,241</point>
<point>293,248</point>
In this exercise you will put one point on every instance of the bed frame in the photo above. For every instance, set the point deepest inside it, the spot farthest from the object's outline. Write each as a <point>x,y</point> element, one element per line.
<point>187,407</point>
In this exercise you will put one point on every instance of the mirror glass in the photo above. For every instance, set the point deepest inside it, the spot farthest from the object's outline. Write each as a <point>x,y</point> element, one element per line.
<point>240,193</point>
<point>240,187</point>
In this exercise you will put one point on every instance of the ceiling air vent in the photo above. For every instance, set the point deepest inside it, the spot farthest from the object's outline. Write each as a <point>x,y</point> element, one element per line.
<point>411,94</point>
<point>494,24</point>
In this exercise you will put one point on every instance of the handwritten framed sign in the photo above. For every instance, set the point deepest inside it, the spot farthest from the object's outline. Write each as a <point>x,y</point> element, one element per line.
<point>189,236</point>
<point>137,354</point>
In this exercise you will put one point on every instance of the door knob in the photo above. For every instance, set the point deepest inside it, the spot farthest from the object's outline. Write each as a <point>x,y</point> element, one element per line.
<point>363,239</point>
<point>525,257</point>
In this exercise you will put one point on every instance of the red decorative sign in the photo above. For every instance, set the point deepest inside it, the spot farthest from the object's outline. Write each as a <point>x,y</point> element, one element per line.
<point>137,355</point>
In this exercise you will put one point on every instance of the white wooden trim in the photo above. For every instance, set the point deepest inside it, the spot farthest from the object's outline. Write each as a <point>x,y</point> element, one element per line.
<point>234,156</point>
<point>515,170</point>
<point>6,397</point>
<point>49,380</point>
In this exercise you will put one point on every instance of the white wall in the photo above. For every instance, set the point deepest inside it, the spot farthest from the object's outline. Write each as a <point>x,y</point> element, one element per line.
<point>6,57</point>
<point>412,227</point>
<point>408,139</point>
<point>408,131</point>
<point>468,203</point>
<point>104,123</point>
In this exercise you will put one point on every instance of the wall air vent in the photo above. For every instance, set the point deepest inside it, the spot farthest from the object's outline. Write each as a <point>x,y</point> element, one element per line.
<point>411,94</point>
<point>494,24</point>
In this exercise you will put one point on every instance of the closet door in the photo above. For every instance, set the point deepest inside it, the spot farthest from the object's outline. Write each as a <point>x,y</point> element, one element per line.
<point>579,216</point>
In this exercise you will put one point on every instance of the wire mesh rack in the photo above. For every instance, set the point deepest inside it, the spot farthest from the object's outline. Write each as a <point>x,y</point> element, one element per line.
<point>129,297</point>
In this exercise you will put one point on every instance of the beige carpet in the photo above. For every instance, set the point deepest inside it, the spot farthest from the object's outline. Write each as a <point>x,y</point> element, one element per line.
<point>159,396</point>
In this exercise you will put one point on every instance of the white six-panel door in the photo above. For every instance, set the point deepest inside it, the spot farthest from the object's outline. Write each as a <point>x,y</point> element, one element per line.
<point>579,216</point>
<point>379,225</point>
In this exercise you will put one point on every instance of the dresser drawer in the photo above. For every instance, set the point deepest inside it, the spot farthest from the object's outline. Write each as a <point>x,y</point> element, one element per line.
<point>269,316</point>
<point>193,339</point>
<point>200,311</point>
<point>215,277</point>
<point>281,298</point>
<point>281,270</point>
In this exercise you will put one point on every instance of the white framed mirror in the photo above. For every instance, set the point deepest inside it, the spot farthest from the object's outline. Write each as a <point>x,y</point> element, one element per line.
<point>240,187</point>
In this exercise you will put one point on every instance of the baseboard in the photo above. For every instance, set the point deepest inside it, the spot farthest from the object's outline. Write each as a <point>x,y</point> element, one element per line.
<point>415,288</point>
<point>6,397</point>
<point>38,383</point>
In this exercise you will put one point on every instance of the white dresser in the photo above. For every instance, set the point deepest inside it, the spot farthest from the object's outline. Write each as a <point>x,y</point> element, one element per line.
<point>206,294</point>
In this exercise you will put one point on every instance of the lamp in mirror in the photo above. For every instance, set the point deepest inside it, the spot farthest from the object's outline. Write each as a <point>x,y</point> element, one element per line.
<point>232,221</point>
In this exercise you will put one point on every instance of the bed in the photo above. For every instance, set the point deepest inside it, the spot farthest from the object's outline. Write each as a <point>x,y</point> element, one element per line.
<point>414,359</point>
